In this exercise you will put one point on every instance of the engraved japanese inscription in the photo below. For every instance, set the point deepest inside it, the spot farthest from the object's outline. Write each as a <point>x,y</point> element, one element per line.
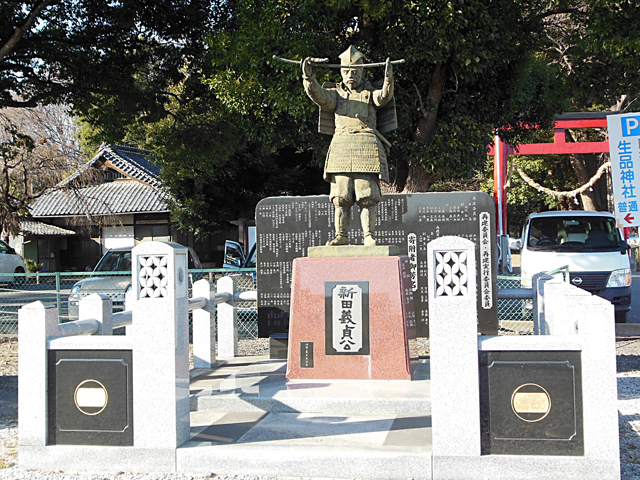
<point>347,318</point>
<point>288,226</point>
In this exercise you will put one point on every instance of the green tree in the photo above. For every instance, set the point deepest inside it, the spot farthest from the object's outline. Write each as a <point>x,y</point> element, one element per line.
<point>215,163</point>
<point>595,47</point>
<point>56,49</point>
<point>124,53</point>
<point>471,66</point>
<point>240,116</point>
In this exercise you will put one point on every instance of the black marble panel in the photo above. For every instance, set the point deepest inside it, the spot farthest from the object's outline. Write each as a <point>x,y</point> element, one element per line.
<point>90,397</point>
<point>531,403</point>
<point>287,226</point>
<point>278,346</point>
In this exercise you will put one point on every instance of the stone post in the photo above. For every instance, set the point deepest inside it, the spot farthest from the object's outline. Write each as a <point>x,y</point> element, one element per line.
<point>204,327</point>
<point>564,307</point>
<point>36,322</point>
<point>161,345</point>
<point>100,308</point>
<point>129,298</point>
<point>453,333</point>
<point>571,311</point>
<point>227,320</point>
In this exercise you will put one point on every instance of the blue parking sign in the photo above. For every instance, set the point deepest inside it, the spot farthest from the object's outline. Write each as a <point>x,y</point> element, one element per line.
<point>624,148</point>
<point>630,126</point>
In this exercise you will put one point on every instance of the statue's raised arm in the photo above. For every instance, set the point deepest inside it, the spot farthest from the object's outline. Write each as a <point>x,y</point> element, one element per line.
<point>320,96</point>
<point>385,94</point>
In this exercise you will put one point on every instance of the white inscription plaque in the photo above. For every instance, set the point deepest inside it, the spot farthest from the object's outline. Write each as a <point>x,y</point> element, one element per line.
<point>347,318</point>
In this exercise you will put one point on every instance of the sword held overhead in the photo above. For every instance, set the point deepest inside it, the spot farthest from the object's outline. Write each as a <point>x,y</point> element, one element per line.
<point>322,62</point>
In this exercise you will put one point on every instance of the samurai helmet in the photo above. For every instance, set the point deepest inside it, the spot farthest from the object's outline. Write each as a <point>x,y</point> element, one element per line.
<point>351,56</point>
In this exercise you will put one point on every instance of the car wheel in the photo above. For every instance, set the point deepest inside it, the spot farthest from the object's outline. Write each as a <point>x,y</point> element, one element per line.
<point>19,280</point>
<point>621,317</point>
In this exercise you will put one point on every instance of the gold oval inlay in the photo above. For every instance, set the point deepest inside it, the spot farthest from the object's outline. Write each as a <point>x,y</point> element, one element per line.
<point>91,397</point>
<point>531,402</point>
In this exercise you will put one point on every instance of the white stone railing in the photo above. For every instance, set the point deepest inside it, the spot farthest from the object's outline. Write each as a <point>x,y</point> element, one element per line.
<point>571,322</point>
<point>96,319</point>
<point>156,338</point>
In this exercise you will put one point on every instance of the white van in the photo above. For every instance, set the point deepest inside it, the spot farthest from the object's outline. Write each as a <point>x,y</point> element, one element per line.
<point>589,243</point>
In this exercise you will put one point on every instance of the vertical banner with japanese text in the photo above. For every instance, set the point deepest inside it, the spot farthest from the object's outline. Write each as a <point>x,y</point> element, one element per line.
<point>486,285</point>
<point>624,147</point>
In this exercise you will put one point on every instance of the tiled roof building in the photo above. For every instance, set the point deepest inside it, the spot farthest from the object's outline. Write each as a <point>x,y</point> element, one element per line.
<point>111,198</point>
<point>114,200</point>
<point>130,184</point>
<point>34,228</point>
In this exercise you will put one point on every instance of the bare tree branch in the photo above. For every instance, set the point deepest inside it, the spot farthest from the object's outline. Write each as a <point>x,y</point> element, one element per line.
<point>37,147</point>
<point>34,101</point>
<point>422,109</point>
<point>537,20</point>
<point>20,31</point>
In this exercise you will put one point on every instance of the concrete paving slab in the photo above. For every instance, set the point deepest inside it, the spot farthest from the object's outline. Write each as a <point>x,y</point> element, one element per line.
<point>310,429</point>
<point>314,429</point>
<point>409,431</point>
<point>227,428</point>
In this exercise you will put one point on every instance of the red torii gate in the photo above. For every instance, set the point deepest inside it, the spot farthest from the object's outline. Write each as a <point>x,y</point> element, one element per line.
<point>501,150</point>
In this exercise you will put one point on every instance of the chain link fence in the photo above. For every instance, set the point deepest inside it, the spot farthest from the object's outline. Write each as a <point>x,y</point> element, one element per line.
<point>515,317</point>
<point>63,290</point>
<point>247,311</point>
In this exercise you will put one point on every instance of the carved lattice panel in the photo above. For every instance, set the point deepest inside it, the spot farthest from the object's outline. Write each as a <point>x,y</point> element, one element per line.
<point>451,273</point>
<point>153,276</point>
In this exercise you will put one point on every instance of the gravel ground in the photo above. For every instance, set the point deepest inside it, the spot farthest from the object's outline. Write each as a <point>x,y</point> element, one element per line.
<point>628,361</point>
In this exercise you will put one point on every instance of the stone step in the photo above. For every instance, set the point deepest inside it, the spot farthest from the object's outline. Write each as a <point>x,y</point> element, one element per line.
<point>308,445</point>
<point>248,419</point>
<point>250,384</point>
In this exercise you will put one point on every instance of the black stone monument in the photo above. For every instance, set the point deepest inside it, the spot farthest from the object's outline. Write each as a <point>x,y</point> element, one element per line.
<point>288,226</point>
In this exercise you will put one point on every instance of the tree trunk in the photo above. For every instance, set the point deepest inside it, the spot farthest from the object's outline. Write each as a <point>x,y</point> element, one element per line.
<point>427,124</point>
<point>582,173</point>
<point>585,166</point>
<point>564,203</point>
<point>419,180</point>
<point>387,188</point>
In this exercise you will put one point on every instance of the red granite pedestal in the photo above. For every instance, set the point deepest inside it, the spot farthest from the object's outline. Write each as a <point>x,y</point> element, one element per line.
<point>389,352</point>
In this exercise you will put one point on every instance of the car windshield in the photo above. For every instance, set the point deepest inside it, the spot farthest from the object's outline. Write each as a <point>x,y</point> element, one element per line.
<point>193,261</point>
<point>580,233</point>
<point>253,260</point>
<point>115,262</point>
<point>120,261</point>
